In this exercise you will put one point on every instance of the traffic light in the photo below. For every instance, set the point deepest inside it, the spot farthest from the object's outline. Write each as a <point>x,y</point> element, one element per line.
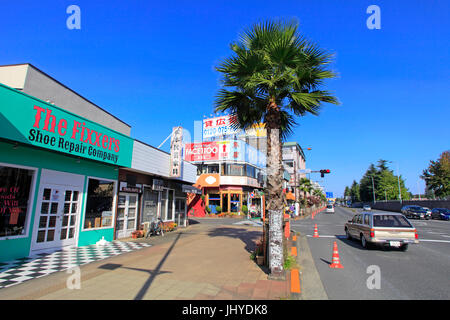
<point>323,172</point>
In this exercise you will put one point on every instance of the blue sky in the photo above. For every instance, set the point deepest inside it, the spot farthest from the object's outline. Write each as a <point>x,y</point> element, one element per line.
<point>151,64</point>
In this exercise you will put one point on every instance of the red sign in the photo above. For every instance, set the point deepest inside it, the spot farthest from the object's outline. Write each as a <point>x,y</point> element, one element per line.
<point>202,151</point>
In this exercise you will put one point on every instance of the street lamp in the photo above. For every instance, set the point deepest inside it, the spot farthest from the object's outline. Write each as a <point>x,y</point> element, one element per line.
<point>398,179</point>
<point>385,194</point>
<point>373,190</point>
<point>418,187</point>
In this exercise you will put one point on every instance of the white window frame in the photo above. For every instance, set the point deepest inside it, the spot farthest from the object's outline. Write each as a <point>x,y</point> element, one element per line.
<point>30,198</point>
<point>85,195</point>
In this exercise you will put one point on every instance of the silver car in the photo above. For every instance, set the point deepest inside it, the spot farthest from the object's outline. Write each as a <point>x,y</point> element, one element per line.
<point>381,228</point>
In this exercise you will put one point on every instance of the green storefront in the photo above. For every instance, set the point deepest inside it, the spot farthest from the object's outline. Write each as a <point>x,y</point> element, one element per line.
<point>58,176</point>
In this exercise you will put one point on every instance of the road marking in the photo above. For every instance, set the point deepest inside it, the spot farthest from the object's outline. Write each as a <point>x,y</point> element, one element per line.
<point>339,237</point>
<point>431,240</point>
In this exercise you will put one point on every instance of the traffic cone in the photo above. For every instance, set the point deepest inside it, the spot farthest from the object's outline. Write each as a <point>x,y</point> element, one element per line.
<point>336,263</point>
<point>316,233</point>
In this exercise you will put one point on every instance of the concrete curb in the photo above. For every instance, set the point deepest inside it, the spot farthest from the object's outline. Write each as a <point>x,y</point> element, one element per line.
<point>312,287</point>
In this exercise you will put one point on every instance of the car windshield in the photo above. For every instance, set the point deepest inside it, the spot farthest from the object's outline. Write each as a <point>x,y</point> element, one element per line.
<point>329,206</point>
<point>394,221</point>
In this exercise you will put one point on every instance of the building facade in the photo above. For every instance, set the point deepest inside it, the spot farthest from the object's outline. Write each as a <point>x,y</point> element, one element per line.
<point>70,174</point>
<point>294,161</point>
<point>147,191</point>
<point>58,176</point>
<point>230,167</point>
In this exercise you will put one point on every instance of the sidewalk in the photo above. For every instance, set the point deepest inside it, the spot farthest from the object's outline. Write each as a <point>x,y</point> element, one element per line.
<point>200,262</point>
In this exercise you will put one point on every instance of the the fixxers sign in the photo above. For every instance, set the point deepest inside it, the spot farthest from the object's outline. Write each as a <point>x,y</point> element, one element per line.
<point>74,137</point>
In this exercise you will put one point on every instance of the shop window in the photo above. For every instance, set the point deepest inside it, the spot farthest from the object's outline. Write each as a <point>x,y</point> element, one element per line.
<point>235,170</point>
<point>213,201</point>
<point>235,202</point>
<point>99,204</point>
<point>213,168</point>
<point>199,169</point>
<point>15,188</point>
<point>250,171</point>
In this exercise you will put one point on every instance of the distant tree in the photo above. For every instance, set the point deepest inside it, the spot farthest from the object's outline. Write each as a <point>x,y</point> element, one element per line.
<point>385,184</point>
<point>365,184</point>
<point>437,175</point>
<point>346,192</point>
<point>354,192</point>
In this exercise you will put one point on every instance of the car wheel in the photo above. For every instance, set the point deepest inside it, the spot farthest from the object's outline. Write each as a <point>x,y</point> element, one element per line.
<point>364,242</point>
<point>404,247</point>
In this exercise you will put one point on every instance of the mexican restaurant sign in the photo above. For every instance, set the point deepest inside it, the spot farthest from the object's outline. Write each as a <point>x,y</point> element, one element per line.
<point>29,120</point>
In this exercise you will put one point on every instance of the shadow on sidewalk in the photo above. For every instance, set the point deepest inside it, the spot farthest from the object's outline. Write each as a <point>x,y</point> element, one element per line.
<point>246,236</point>
<point>155,272</point>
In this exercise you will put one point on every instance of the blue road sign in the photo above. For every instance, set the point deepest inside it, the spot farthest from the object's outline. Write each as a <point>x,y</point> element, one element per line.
<point>329,194</point>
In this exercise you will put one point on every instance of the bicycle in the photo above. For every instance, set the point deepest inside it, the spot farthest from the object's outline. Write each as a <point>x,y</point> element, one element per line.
<point>156,228</point>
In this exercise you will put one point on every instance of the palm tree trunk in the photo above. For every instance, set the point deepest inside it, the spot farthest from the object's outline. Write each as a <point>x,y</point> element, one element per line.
<point>274,189</point>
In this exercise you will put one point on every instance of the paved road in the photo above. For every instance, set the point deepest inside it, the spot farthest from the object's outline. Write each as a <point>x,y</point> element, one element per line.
<point>422,272</point>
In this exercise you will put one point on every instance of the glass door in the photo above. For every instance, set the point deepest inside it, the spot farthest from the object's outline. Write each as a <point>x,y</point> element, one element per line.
<point>57,211</point>
<point>126,214</point>
<point>150,205</point>
<point>180,207</point>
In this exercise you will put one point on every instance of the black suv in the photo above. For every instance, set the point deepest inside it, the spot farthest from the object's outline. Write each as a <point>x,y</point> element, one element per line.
<point>416,212</point>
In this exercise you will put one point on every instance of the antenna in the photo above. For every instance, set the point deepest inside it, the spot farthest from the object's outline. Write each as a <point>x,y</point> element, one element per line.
<point>165,140</point>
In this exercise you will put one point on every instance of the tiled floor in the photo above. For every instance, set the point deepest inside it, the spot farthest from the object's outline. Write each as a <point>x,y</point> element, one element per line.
<point>20,270</point>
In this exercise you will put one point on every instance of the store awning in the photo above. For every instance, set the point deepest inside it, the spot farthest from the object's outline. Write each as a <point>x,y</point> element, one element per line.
<point>290,196</point>
<point>190,189</point>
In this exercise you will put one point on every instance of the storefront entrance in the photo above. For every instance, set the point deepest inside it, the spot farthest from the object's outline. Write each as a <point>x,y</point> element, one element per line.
<point>180,211</point>
<point>57,210</point>
<point>126,214</point>
<point>150,205</point>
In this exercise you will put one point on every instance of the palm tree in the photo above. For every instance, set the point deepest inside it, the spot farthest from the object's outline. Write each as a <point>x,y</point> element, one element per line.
<point>304,185</point>
<point>273,75</point>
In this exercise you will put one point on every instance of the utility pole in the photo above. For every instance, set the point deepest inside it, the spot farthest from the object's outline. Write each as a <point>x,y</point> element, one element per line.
<point>399,189</point>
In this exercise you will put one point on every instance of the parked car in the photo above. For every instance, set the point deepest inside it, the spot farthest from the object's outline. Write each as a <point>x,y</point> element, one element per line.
<point>428,212</point>
<point>330,208</point>
<point>440,213</point>
<point>366,207</point>
<point>381,229</point>
<point>416,212</point>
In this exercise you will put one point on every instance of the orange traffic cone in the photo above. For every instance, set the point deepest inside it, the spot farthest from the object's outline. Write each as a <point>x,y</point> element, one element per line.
<point>336,263</point>
<point>316,233</point>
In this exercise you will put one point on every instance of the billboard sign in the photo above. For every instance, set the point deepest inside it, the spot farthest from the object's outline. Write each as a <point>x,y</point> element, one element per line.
<point>227,150</point>
<point>223,126</point>
<point>176,156</point>
<point>32,121</point>
<point>204,151</point>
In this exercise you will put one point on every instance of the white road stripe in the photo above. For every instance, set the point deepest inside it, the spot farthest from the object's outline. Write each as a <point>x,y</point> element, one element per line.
<point>308,235</point>
<point>428,240</point>
<point>341,237</point>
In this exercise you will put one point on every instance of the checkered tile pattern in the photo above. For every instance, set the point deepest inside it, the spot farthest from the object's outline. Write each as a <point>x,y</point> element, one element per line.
<point>39,265</point>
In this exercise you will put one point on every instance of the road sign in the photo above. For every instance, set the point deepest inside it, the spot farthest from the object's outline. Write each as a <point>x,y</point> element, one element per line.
<point>329,194</point>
